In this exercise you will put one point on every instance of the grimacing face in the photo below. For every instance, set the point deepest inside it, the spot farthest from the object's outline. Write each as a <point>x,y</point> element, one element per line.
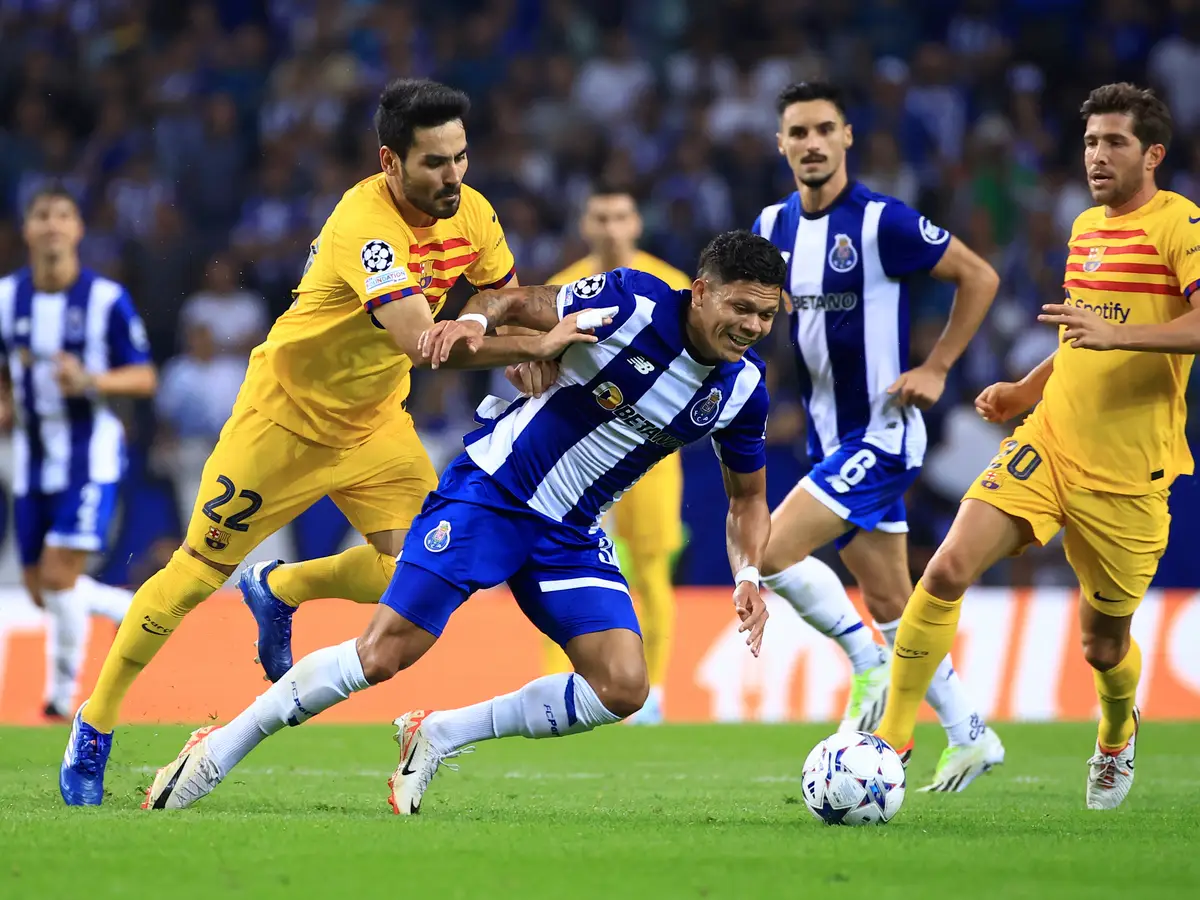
<point>1117,166</point>
<point>727,318</point>
<point>52,227</point>
<point>430,176</point>
<point>814,137</point>
<point>611,225</point>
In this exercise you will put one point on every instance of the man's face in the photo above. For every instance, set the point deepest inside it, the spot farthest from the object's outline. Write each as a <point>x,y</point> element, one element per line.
<point>53,227</point>
<point>729,318</point>
<point>814,137</point>
<point>430,176</point>
<point>1117,166</point>
<point>611,224</point>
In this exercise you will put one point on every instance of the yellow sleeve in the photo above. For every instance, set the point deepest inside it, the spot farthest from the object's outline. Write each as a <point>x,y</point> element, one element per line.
<point>495,266</point>
<point>371,255</point>
<point>1182,247</point>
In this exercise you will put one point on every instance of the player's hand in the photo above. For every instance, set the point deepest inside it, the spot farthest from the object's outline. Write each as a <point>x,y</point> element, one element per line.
<point>436,343</point>
<point>1084,329</point>
<point>1003,401</point>
<point>73,379</point>
<point>568,332</point>
<point>920,387</point>
<point>752,610</point>
<point>533,378</point>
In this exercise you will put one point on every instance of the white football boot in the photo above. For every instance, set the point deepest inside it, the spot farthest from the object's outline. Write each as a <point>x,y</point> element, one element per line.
<point>419,762</point>
<point>190,776</point>
<point>959,765</point>
<point>1110,775</point>
<point>868,697</point>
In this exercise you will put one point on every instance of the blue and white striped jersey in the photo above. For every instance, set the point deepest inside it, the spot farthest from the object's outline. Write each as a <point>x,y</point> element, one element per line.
<point>847,271</point>
<point>621,405</point>
<point>58,441</point>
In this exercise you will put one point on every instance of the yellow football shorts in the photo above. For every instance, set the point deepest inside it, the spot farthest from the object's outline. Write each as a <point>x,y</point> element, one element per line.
<point>649,517</point>
<point>260,476</point>
<point>1113,542</point>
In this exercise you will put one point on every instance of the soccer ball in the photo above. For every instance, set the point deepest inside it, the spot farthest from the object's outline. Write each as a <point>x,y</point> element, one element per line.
<point>853,778</point>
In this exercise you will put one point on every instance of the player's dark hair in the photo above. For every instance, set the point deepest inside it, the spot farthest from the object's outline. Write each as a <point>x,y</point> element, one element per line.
<point>607,188</point>
<point>407,104</point>
<point>807,91</point>
<point>52,190</point>
<point>743,256</point>
<point>1151,118</point>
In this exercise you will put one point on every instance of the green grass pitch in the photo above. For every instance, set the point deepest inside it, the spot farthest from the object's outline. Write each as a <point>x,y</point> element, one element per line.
<point>695,811</point>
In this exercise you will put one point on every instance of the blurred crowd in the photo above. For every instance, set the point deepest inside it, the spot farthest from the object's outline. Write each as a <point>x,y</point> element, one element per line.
<point>207,142</point>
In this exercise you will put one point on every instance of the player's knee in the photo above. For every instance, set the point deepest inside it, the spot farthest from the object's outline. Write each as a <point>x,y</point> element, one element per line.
<point>56,573</point>
<point>949,573</point>
<point>885,605</point>
<point>1103,652</point>
<point>622,688</point>
<point>389,645</point>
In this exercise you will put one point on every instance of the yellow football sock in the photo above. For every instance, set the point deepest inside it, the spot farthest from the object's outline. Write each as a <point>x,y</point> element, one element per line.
<point>157,609</point>
<point>360,574</point>
<point>925,636</point>
<point>656,601</point>
<point>1117,690</point>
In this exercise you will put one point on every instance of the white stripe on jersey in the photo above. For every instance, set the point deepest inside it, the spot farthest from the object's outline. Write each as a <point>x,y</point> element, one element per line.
<point>808,279</point>
<point>881,346</point>
<point>601,449</point>
<point>767,220</point>
<point>580,364</point>
<point>46,337</point>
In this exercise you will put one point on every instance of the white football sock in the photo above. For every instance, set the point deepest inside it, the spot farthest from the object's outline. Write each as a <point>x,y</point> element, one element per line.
<point>551,706</point>
<point>817,594</point>
<point>948,697</point>
<point>66,644</point>
<point>104,599</point>
<point>320,680</point>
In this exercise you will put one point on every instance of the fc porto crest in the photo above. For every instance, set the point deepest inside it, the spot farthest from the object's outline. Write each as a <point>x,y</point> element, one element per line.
<point>706,408</point>
<point>76,323</point>
<point>438,539</point>
<point>1094,260</point>
<point>842,255</point>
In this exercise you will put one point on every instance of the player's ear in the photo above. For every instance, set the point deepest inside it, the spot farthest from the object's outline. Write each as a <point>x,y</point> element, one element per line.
<point>1154,156</point>
<point>779,143</point>
<point>849,135</point>
<point>699,286</point>
<point>388,161</point>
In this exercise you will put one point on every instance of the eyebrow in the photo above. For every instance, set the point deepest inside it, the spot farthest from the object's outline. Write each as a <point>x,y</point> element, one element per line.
<point>438,157</point>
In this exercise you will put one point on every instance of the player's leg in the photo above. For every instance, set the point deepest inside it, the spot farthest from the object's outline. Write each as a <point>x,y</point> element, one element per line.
<point>879,562</point>
<point>380,487</point>
<point>648,523</point>
<point>471,547</point>
<point>1115,567</point>
<point>32,518</point>
<point>258,477</point>
<point>800,525</point>
<point>57,576</point>
<point>106,600</point>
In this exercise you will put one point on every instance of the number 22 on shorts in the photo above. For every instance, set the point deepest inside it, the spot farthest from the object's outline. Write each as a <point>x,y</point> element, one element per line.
<point>852,472</point>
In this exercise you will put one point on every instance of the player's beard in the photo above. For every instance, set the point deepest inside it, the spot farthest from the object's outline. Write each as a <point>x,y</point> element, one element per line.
<point>441,205</point>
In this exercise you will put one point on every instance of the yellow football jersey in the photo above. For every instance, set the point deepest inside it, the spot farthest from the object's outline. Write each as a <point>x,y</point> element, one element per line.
<point>327,370</point>
<point>1118,416</point>
<point>643,262</point>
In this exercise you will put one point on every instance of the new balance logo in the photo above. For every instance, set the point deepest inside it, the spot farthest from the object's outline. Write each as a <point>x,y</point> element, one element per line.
<point>643,365</point>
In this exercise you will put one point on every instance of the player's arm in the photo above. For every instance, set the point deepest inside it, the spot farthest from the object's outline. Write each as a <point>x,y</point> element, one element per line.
<point>910,243</point>
<point>130,372</point>
<point>1084,329</point>
<point>1006,399</point>
<point>747,529</point>
<point>741,446</point>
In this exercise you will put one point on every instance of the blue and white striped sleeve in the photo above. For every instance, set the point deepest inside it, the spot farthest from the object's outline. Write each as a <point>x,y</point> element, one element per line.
<point>606,290</point>
<point>127,341</point>
<point>741,446</point>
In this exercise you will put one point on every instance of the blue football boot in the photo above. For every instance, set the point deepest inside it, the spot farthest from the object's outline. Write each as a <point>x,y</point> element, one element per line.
<point>81,775</point>
<point>274,618</point>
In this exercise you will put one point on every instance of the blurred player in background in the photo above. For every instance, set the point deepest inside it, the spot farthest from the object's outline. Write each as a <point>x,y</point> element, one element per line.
<point>73,341</point>
<point>850,253</point>
<point>647,524</point>
<point>321,411</point>
<point>1097,456</point>
<point>523,505</point>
